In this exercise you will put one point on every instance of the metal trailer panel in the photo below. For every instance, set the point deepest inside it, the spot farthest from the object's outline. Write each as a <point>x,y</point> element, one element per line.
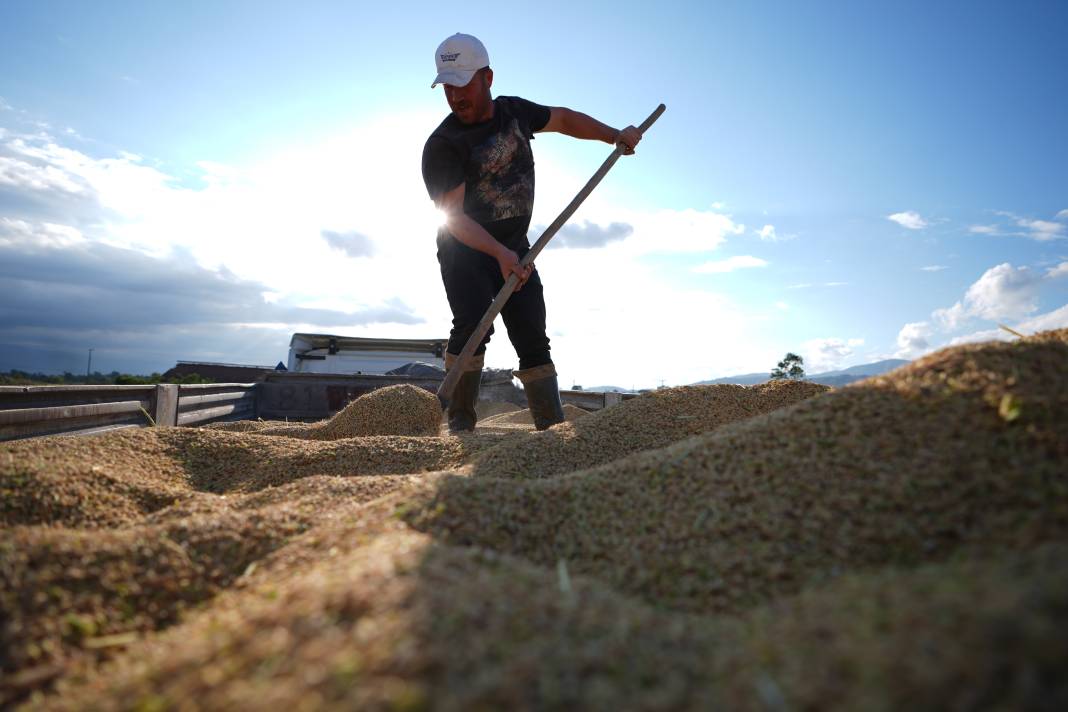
<point>204,403</point>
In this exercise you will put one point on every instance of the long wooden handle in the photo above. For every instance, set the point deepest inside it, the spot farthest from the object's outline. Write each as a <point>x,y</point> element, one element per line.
<point>448,385</point>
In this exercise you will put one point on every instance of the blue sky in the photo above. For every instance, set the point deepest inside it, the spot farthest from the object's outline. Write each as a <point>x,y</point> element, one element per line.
<point>849,181</point>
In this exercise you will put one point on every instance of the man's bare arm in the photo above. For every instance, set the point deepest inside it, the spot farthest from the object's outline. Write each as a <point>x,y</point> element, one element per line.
<point>579,125</point>
<point>470,233</point>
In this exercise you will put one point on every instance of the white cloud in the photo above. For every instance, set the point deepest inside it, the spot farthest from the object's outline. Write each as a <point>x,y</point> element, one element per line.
<point>1056,319</point>
<point>827,354</point>
<point>1042,230</point>
<point>1039,230</point>
<point>767,233</point>
<point>45,235</point>
<point>1060,270</point>
<point>933,268</point>
<point>19,173</point>
<point>980,336</point>
<point>782,305</point>
<point>663,231</point>
<point>268,222</point>
<point>1002,292</point>
<point>912,340</point>
<point>908,219</point>
<point>351,243</point>
<point>809,285</point>
<point>583,320</point>
<point>587,235</point>
<point>1062,215</point>
<point>730,264</point>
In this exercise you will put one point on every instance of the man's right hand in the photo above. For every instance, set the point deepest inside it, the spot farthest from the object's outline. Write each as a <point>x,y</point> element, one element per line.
<point>509,264</point>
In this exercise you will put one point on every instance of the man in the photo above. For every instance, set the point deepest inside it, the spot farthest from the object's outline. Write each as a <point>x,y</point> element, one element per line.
<point>479,170</point>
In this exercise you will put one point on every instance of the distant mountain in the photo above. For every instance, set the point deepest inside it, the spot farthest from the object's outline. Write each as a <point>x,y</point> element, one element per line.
<point>868,369</point>
<point>746,379</point>
<point>830,378</point>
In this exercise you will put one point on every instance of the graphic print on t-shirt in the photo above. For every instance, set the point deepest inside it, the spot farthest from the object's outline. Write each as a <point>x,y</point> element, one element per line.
<point>506,187</point>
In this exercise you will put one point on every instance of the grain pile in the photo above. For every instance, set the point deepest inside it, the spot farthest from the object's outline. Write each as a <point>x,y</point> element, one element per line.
<point>902,542</point>
<point>649,421</point>
<point>108,537</point>
<point>404,623</point>
<point>393,410</point>
<point>919,465</point>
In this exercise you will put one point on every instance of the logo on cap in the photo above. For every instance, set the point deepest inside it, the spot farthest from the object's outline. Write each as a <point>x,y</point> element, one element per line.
<point>450,57</point>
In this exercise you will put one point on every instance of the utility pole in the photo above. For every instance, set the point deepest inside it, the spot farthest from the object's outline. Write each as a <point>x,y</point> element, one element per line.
<point>89,366</point>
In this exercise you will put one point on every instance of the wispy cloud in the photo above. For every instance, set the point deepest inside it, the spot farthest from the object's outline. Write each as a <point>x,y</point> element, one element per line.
<point>65,293</point>
<point>912,340</point>
<point>353,244</point>
<point>260,224</point>
<point>809,285</point>
<point>1056,319</point>
<point>1003,294</point>
<point>1060,270</point>
<point>1042,230</point>
<point>828,354</point>
<point>769,233</point>
<point>586,235</point>
<point>909,219</point>
<point>933,268</point>
<point>730,264</point>
<point>1033,228</point>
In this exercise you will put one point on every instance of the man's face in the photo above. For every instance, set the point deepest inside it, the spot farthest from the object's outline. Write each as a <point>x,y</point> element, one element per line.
<point>472,103</point>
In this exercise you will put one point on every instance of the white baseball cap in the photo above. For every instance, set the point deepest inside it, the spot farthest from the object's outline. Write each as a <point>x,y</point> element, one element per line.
<point>458,58</point>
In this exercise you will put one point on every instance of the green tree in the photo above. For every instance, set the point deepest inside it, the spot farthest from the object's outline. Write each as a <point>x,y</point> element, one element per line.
<point>791,366</point>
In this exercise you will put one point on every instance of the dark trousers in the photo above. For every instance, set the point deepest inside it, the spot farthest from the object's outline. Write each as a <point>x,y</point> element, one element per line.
<point>472,279</point>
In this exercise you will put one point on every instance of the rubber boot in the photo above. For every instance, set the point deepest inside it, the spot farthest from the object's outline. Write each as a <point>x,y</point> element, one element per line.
<point>543,395</point>
<point>461,412</point>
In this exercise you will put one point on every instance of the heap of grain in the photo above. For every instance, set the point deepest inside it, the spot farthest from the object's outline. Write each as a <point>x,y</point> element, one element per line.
<point>856,549</point>
<point>404,623</point>
<point>964,451</point>
<point>393,410</point>
<point>113,535</point>
<point>649,421</point>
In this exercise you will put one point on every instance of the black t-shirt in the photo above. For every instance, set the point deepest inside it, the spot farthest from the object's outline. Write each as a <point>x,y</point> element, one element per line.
<point>494,160</point>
